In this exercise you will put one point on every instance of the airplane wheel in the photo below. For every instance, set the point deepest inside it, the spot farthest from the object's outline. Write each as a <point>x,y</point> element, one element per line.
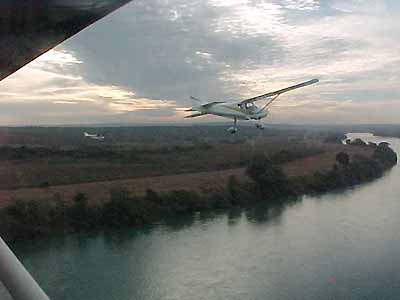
<point>232,130</point>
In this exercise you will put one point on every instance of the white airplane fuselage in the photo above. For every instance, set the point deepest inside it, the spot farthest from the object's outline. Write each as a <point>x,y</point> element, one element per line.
<point>234,111</point>
<point>93,136</point>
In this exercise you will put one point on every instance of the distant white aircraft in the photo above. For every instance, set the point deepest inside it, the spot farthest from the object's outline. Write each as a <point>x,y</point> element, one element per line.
<point>242,110</point>
<point>93,136</point>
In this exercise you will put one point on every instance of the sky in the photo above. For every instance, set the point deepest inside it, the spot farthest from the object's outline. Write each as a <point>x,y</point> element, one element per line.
<point>141,63</point>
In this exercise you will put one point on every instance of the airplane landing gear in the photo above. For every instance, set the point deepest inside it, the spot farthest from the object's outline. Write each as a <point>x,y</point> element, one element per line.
<point>233,129</point>
<point>260,126</point>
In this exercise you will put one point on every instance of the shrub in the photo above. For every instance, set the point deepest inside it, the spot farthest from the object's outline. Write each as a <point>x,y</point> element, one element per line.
<point>118,210</point>
<point>283,156</point>
<point>385,155</point>
<point>44,184</point>
<point>180,201</point>
<point>269,178</point>
<point>153,196</point>
<point>79,214</point>
<point>29,219</point>
<point>343,158</point>
<point>233,189</point>
<point>119,194</point>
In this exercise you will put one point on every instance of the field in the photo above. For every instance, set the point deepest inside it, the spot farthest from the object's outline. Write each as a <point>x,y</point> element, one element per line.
<point>41,157</point>
<point>49,163</point>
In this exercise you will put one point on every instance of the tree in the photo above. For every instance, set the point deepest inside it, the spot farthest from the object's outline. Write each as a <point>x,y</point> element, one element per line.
<point>343,158</point>
<point>269,178</point>
<point>79,214</point>
<point>233,188</point>
<point>118,210</point>
<point>385,155</point>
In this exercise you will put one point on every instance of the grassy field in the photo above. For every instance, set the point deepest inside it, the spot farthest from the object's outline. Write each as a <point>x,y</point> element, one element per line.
<point>50,163</point>
<point>41,157</point>
<point>205,181</point>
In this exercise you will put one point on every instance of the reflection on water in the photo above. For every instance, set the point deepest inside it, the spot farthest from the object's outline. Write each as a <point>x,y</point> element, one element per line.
<point>341,245</point>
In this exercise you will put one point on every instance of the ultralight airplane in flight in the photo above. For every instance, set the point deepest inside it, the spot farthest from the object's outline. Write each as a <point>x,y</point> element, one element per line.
<point>94,136</point>
<point>242,110</point>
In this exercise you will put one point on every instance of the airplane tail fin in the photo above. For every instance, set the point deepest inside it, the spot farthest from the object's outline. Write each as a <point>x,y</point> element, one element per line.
<point>197,100</point>
<point>200,108</point>
<point>201,105</point>
<point>197,104</point>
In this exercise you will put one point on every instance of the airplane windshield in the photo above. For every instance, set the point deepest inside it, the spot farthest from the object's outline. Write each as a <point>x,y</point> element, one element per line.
<point>250,106</point>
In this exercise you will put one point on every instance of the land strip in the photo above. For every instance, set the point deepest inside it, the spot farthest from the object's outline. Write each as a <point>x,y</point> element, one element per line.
<point>99,192</point>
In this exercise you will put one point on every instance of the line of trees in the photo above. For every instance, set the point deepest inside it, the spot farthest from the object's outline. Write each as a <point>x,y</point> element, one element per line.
<point>268,184</point>
<point>350,171</point>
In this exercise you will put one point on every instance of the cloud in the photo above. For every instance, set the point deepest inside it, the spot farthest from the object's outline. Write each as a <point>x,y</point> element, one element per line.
<point>302,4</point>
<point>142,62</point>
<point>65,102</point>
<point>50,90</point>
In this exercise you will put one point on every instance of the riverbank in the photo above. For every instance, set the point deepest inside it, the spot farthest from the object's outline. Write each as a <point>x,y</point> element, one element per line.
<point>262,181</point>
<point>295,162</point>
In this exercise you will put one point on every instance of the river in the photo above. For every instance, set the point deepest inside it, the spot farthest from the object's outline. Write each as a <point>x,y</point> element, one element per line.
<point>342,245</point>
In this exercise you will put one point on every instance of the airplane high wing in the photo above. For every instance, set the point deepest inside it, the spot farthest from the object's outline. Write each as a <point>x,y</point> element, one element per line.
<point>278,92</point>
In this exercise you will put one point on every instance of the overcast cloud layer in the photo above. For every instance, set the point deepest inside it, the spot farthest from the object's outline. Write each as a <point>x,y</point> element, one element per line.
<point>142,62</point>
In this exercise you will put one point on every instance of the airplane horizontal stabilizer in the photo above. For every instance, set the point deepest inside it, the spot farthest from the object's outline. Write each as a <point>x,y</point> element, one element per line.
<point>195,115</point>
<point>209,104</point>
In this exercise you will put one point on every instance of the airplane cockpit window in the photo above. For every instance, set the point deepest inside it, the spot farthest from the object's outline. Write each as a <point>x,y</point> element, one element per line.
<point>250,106</point>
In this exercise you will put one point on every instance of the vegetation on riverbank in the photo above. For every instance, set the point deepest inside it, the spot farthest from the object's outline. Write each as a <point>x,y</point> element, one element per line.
<point>267,183</point>
<point>350,172</point>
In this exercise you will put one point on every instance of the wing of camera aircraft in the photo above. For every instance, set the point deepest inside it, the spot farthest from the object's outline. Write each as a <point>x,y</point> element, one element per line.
<point>29,28</point>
